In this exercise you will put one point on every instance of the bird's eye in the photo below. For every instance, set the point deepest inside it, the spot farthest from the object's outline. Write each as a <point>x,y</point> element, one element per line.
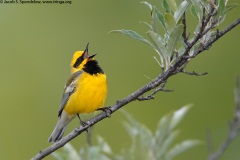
<point>78,61</point>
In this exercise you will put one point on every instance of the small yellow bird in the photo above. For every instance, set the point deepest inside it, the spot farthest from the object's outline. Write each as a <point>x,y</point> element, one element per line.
<point>85,91</point>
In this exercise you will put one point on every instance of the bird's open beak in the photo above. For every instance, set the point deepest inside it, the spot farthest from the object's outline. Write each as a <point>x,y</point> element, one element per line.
<point>86,51</point>
<point>92,56</point>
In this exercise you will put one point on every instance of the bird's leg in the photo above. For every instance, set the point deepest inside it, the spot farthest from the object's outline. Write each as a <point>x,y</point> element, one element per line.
<point>107,110</point>
<point>81,122</point>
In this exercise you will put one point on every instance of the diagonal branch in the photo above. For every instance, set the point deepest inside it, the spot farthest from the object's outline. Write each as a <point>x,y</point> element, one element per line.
<point>160,79</point>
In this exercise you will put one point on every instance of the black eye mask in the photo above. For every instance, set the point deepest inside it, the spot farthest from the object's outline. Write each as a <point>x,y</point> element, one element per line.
<point>79,61</point>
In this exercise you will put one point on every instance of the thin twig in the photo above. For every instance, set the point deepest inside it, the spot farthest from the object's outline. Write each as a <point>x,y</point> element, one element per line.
<point>194,73</point>
<point>151,96</point>
<point>234,130</point>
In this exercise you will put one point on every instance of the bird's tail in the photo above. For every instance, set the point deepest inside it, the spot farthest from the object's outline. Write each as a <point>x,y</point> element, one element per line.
<point>57,133</point>
<point>60,128</point>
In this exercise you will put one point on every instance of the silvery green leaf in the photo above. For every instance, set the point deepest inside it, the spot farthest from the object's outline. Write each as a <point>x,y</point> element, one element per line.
<point>221,19</point>
<point>93,152</point>
<point>206,5</point>
<point>174,39</point>
<point>181,147</point>
<point>178,116</point>
<point>173,5</point>
<point>221,8</point>
<point>133,35</point>
<point>230,7</point>
<point>196,12</point>
<point>146,137</point>
<point>166,6</point>
<point>72,153</point>
<point>180,10</point>
<point>181,50</point>
<point>103,157</point>
<point>191,52</point>
<point>148,5</point>
<point>162,149</point>
<point>196,2</point>
<point>207,36</point>
<point>153,21</point>
<point>147,24</point>
<point>103,145</point>
<point>131,130</point>
<point>160,18</point>
<point>57,156</point>
<point>158,42</point>
<point>169,22</point>
<point>163,129</point>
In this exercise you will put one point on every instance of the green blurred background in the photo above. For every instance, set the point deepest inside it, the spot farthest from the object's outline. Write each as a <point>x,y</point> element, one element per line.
<point>37,43</point>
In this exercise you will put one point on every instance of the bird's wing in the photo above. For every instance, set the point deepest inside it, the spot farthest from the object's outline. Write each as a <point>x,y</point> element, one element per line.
<point>69,90</point>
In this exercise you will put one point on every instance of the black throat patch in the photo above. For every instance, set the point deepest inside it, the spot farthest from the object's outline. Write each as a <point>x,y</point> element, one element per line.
<point>92,67</point>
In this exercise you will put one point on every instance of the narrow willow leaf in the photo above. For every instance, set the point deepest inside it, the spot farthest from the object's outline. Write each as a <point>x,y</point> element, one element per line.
<point>93,153</point>
<point>148,5</point>
<point>180,10</point>
<point>103,157</point>
<point>230,7</point>
<point>178,116</point>
<point>160,18</point>
<point>57,156</point>
<point>180,51</point>
<point>221,8</point>
<point>136,129</point>
<point>133,35</point>
<point>162,149</point>
<point>147,24</point>
<point>196,2</point>
<point>103,145</point>
<point>170,22</point>
<point>158,42</point>
<point>166,6</point>
<point>146,137</point>
<point>196,12</point>
<point>206,5</point>
<point>163,129</point>
<point>207,36</point>
<point>173,5</point>
<point>72,153</point>
<point>181,147</point>
<point>174,39</point>
<point>131,131</point>
<point>153,21</point>
<point>191,52</point>
<point>221,19</point>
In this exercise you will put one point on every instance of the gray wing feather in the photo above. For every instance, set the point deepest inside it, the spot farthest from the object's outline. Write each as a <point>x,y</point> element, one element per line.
<point>69,90</point>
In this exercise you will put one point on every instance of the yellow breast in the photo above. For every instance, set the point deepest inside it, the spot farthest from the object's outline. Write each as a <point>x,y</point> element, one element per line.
<point>90,94</point>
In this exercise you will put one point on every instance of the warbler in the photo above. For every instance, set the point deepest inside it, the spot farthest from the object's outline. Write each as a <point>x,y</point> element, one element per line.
<point>84,92</point>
